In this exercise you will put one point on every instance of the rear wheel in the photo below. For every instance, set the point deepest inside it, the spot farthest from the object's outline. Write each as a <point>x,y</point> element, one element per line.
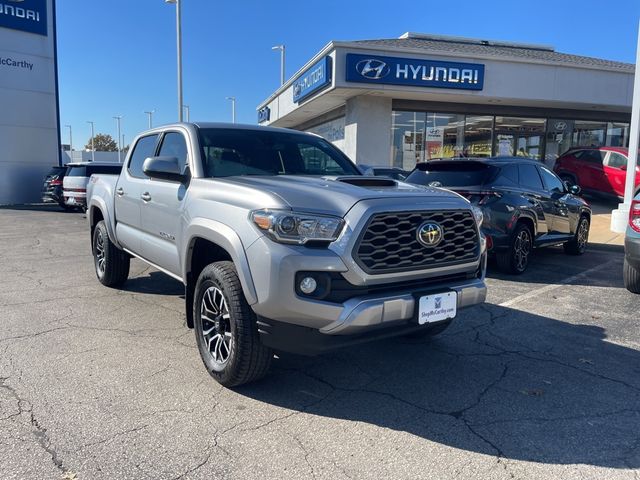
<point>578,244</point>
<point>225,328</point>
<point>631,277</point>
<point>516,259</point>
<point>111,263</point>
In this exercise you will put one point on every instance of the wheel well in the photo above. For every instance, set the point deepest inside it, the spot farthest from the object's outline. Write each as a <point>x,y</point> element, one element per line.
<point>201,253</point>
<point>95,216</point>
<point>529,223</point>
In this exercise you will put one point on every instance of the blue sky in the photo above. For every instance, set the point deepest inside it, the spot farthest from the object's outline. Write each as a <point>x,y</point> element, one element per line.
<point>118,57</point>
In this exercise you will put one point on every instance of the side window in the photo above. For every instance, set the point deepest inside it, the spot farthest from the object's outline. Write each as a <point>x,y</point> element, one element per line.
<point>553,183</point>
<point>145,148</point>
<point>591,156</point>
<point>529,177</point>
<point>508,176</point>
<point>617,160</point>
<point>174,145</point>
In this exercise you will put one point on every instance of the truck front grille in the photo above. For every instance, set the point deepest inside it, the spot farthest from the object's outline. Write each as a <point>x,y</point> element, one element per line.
<point>389,241</point>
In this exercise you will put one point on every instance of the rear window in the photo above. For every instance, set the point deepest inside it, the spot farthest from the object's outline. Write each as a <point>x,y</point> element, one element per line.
<point>77,172</point>
<point>452,174</point>
<point>104,169</point>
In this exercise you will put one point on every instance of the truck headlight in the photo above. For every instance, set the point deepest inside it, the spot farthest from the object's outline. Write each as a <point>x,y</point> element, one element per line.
<point>477,214</point>
<point>297,228</point>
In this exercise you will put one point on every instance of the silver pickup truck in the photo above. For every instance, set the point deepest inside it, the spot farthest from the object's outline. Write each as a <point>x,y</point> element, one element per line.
<point>282,244</point>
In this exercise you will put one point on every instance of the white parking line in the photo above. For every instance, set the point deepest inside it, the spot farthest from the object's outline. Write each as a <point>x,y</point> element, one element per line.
<point>539,291</point>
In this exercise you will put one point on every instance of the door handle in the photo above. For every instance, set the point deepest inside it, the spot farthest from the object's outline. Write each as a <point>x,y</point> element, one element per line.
<point>120,192</point>
<point>145,197</point>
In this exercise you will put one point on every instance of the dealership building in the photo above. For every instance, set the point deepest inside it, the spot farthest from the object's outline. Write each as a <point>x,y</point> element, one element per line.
<point>395,102</point>
<point>29,130</point>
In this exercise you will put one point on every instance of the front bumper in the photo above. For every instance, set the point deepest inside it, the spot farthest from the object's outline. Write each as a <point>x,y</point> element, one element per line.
<point>393,304</point>
<point>632,251</point>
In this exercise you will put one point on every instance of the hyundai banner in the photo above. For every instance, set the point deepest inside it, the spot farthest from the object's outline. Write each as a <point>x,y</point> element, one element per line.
<point>312,80</point>
<point>414,72</point>
<point>26,15</point>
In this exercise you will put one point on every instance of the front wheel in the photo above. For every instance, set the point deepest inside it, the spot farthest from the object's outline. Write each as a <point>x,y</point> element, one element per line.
<point>516,259</point>
<point>631,277</point>
<point>225,328</point>
<point>111,263</point>
<point>578,244</point>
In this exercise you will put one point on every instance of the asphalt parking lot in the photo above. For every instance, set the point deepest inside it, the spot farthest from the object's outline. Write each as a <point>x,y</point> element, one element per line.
<point>543,381</point>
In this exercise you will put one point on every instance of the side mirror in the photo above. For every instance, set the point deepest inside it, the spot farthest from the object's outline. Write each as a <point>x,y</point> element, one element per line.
<point>163,168</point>
<point>575,189</point>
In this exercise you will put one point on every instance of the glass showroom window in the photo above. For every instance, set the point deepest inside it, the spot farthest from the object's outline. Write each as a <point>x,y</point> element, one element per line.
<point>588,133</point>
<point>559,138</point>
<point>444,135</point>
<point>407,134</point>
<point>478,136</point>
<point>520,137</point>
<point>617,134</point>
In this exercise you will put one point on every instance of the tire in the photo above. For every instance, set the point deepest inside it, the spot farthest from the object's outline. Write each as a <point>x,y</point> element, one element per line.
<point>428,332</point>
<point>111,263</point>
<point>516,259</point>
<point>631,277</point>
<point>578,244</point>
<point>225,328</point>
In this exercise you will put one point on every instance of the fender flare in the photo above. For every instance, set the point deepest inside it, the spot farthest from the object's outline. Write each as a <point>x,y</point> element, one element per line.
<point>226,238</point>
<point>100,204</point>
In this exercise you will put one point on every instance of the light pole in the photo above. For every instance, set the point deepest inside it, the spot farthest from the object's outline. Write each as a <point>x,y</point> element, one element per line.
<point>70,138</point>
<point>281,48</point>
<point>150,114</point>
<point>233,109</point>
<point>620,216</point>
<point>178,4</point>
<point>186,107</point>
<point>117,118</point>
<point>93,147</point>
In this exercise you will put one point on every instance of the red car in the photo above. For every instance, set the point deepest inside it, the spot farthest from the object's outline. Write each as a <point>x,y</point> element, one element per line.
<point>600,170</point>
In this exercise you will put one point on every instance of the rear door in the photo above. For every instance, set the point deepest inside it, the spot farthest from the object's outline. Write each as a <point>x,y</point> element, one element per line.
<point>591,167</point>
<point>162,208</point>
<point>539,200</point>
<point>615,170</point>
<point>129,188</point>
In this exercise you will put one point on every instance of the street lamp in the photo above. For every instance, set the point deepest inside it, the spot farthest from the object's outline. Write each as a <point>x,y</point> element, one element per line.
<point>117,119</point>
<point>178,4</point>
<point>281,48</point>
<point>93,147</point>
<point>186,107</point>
<point>150,114</point>
<point>233,109</point>
<point>70,138</point>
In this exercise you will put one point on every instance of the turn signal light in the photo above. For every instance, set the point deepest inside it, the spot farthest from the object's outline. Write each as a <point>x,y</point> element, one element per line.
<point>634,215</point>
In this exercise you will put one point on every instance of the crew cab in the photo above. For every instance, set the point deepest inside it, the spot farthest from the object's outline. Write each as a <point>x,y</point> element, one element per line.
<point>282,244</point>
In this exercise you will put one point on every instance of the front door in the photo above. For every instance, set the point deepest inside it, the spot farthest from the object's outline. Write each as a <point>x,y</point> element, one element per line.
<point>557,193</point>
<point>162,209</point>
<point>538,198</point>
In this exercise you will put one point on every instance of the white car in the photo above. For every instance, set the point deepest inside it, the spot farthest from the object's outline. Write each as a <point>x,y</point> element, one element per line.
<point>76,179</point>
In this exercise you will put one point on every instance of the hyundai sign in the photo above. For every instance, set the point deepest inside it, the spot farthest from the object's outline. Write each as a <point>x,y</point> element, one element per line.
<point>26,15</point>
<point>312,80</point>
<point>414,72</point>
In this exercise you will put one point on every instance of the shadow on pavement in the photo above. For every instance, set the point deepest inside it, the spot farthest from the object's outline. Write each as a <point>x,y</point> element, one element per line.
<point>155,283</point>
<point>499,382</point>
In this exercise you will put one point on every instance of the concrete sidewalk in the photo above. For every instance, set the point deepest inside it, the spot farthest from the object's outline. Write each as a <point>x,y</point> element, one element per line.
<point>600,233</point>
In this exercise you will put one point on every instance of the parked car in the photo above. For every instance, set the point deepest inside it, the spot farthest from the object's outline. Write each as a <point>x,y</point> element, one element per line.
<point>631,269</point>
<point>52,188</point>
<point>282,244</point>
<point>598,170</point>
<point>77,178</point>
<point>391,172</point>
<point>525,205</point>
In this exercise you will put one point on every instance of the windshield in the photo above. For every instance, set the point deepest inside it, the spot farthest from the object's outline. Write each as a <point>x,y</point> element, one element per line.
<point>452,174</point>
<point>229,152</point>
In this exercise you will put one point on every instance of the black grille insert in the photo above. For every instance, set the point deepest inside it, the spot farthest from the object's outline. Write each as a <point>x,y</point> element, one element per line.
<point>388,243</point>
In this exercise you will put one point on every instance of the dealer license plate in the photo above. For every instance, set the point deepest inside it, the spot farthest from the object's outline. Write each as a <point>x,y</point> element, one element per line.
<point>437,307</point>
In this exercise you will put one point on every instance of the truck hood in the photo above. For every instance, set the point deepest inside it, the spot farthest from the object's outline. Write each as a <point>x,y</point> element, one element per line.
<point>336,195</point>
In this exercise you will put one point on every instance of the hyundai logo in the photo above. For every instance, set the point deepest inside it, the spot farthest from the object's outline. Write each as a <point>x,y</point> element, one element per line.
<point>373,69</point>
<point>430,234</point>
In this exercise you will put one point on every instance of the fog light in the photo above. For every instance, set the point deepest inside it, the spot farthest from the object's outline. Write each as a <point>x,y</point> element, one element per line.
<point>308,285</point>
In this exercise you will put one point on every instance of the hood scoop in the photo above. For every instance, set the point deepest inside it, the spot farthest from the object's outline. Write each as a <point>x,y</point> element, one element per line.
<point>367,182</point>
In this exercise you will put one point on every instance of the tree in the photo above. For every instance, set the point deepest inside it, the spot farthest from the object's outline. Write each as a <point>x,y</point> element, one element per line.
<point>103,143</point>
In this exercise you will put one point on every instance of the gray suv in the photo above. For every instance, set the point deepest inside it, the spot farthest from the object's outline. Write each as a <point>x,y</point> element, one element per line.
<point>282,244</point>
